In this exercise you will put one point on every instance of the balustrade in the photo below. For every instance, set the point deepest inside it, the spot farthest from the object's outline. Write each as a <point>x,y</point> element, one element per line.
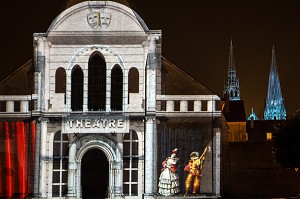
<point>15,103</point>
<point>188,103</point>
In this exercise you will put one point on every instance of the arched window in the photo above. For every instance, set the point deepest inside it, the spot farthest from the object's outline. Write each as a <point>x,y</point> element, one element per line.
<point>76,89</point>
<point>97,82</point>
<point>133,80</point>
<point>116,99</point>
<point>60,80</point>
<point>60,165</point>
<point>130,161</point>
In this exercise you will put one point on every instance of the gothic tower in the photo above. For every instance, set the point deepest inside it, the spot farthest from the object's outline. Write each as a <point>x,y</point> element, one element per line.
<point>231,84</point>
<point>274,107</point>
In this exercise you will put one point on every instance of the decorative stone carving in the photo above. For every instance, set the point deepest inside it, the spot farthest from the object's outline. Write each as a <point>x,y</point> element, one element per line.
<point>117,165</point>
<point>99,19</point>
<point>91,140</point>
<point>150,119</point>
<point>105,18</point>
<point>117,189</point>
<point>94,19</point>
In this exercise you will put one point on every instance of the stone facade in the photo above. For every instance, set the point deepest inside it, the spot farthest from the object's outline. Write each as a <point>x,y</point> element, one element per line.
<point>118,128</point>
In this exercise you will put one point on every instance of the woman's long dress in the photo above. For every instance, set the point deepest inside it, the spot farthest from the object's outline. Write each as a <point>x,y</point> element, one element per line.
<point>168,180</point>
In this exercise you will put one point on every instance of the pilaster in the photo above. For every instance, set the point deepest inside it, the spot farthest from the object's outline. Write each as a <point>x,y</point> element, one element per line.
<point>118,173</point>
<point>39,69</point>
<point>37,160</point>
<point>217,157</point>
<point>46,77</point>
<point>43,182</point>
<point>71,171</point>
<point>150,120</point>
<point>150,157</point>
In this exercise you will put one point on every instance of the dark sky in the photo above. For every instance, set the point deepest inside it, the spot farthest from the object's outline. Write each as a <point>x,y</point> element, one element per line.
<point>196,37</point>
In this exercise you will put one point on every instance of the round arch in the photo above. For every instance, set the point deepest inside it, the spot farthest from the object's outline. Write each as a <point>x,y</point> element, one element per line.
<point>82,55</point>
<point>111,151</point>
<point>97,144</point>
<point>60,80</point>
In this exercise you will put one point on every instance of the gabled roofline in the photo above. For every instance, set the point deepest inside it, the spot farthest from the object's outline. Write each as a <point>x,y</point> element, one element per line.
<point>186,74</point>
<point>16,71</point>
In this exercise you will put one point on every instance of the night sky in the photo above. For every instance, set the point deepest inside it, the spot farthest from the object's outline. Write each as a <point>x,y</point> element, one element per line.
<point>196,37</point>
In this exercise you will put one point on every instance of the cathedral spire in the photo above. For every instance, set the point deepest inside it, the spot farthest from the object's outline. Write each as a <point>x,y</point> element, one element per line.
<point>274,108</point>
<point>231,84</point>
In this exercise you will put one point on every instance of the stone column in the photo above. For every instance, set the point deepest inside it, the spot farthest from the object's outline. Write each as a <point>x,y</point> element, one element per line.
<point>111,181</point>
<point>78,181</point>
<point>119,167</point>
<point>152,63</point>
<point>150,157</point>
<point>71,171</point>
<point>108,88</point>
<point>46,76</point>
<point>39,69</point>
<point>43,182</point>
<point>197,106</point>
<point>37,160</point>
<point>150,121</point>
<point>24,106</point>
<point>211,105</point>
<point>118,171</point>
<point>184,105</point>
<point>10,106</point>
<point>35,77</point>
<point>170,106</point>
<point>85,89</point>
<point>68,89</point>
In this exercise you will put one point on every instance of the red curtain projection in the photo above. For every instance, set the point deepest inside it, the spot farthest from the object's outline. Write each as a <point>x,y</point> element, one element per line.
<point>17,147</point>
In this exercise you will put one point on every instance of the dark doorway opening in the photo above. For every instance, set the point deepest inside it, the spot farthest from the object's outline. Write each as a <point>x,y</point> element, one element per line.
<point>94,174</point>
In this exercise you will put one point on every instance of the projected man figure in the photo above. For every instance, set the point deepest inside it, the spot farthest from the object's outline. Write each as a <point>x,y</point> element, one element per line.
<point>194,169</point>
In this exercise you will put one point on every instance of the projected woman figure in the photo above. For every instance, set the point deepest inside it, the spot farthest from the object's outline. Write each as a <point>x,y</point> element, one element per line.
<point>169,180</point>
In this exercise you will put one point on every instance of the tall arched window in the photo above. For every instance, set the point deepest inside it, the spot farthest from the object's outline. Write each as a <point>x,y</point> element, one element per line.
<point>130,161</point>
<point>76,89</point>
<point>60,80</point>
<point>116,99</point>
<point>97,82</point>
<point>133,80</point>
<point>60,165</point>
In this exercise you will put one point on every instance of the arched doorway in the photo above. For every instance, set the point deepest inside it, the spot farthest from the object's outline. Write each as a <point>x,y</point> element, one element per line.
<point>94,174</point>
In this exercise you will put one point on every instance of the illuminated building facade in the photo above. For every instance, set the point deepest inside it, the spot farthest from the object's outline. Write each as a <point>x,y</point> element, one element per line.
<point>104,111</point>
<point>274,107</point>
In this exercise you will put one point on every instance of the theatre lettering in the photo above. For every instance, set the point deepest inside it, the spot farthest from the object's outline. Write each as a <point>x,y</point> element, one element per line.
<point>95,125</point>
